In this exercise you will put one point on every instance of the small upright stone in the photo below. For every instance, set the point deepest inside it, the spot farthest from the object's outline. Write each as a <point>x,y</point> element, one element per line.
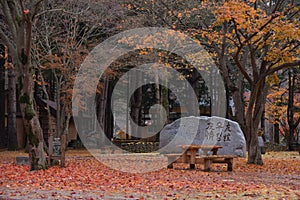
<point>22,160</point>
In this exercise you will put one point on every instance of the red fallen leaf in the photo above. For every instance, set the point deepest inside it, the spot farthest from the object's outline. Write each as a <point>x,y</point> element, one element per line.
<point>26,11</point>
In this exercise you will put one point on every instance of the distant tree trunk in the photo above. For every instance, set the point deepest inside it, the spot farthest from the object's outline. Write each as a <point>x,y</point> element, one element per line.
<point>158,98</point>
<point>63,139</point>
<point>237,91</point>
<point>192,108</point>
<point>165,99</point>
<point>290,111</point>
<point>194,80</point>
<point>108,127</point>
<point>3,143</point>
<point>229,111</point>
<point>262,123</point>
<point>136,104</point>
<point>12,109</point>
<point>276,131</point>
<point>58,81</point>
<point>103,107</point>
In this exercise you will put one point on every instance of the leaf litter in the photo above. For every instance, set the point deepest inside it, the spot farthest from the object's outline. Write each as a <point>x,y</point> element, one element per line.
<point>84,177</point>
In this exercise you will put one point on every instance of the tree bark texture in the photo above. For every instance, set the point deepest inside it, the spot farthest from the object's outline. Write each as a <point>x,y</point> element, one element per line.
<point>3,141</point>
<point>108,127</point>
<point>253,119</point>
<point>12,109</point>
<point>276,132</point>
<point>290,111</point>
<point>136,104</point>
<point>104,113</point>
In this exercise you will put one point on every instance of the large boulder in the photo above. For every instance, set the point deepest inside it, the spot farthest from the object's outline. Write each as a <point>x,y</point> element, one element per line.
<point>205,131</point>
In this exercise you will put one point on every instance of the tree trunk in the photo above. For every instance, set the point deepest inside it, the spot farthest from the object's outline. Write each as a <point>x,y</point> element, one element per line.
<point>108,124</point>
<point>239,104</point>
<point>165,99</point>
<point>63,139</point>
<point>290,111</point>
<point>50,139</point>
<point>36,144</point>
<point>19,25</point>
<point>3,142</point>
<point>194,81</point>
<point>262,123</point>
<point>32,124</point>
<point>12,110</point>
<point>254,152</point>
<point>276,132</point>
<point>253,119</point>
<point>229,112</point>
<point>58,103</point>
<point>136,104</point>
<point>103,108</point>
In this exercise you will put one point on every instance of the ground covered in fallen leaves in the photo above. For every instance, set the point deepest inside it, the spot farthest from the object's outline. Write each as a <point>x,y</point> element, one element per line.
<point>84,177</point>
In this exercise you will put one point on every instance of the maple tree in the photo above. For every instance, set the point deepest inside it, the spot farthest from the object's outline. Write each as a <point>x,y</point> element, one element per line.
<point>250,40</point>
<point>58,34</point>
<point>280,103</point>
<point>18,17</point>
<point>276,110</point>
<point>57,56</point>
<point>293,111</point>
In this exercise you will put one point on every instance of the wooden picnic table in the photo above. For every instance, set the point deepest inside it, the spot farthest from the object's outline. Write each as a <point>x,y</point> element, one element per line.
<point>192,152</point>
<point>204,148</point>
<point>190,156</point>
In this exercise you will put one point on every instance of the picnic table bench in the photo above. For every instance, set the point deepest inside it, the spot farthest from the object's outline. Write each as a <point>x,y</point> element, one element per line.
<point>192,157</point>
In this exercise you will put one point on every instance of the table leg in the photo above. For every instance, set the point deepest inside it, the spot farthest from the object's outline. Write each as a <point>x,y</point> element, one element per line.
<point>207,163</point>
<point>229,163</point>
<point>215,151</point>
<point>193,159</point>
<point>192,166</point>
<point>184,157</point>
<point>170,166</point>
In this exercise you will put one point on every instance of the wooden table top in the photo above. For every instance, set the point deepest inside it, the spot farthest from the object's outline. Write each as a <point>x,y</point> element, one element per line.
<point>193,146</point>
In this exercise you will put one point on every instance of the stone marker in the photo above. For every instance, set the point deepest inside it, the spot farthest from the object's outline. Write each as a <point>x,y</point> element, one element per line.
<point>204,131</point>
<point>22,160</point>
<point>261,144</point>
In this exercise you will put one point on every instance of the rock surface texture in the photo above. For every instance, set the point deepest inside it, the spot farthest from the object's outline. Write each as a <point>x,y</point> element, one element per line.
<point>203,130</point>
